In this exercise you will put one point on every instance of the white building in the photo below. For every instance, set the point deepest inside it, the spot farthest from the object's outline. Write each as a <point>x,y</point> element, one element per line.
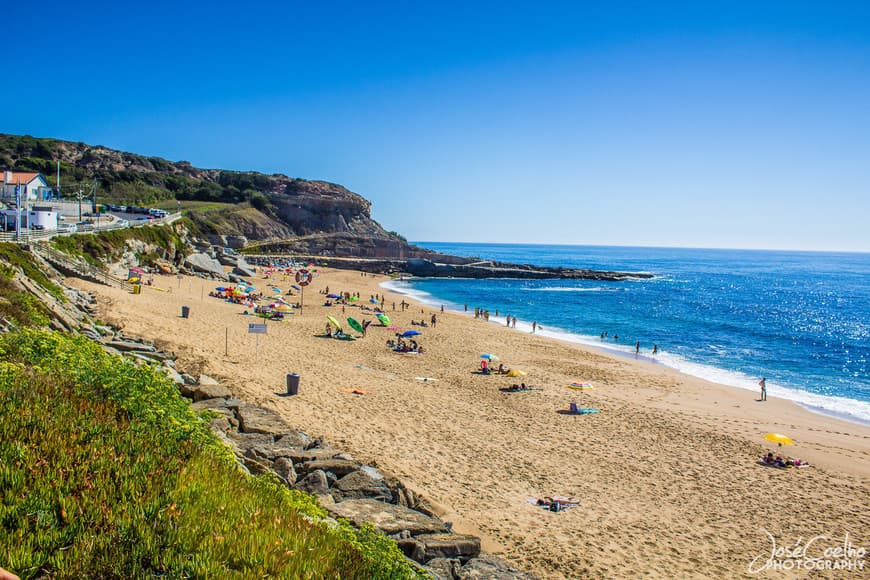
<point>32,185</point>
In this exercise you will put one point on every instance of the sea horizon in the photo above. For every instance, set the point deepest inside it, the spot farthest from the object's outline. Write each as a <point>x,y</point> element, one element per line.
<point>702,311</point>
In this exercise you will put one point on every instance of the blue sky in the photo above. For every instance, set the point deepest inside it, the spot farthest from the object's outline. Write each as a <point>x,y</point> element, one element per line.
<point>700,124</point>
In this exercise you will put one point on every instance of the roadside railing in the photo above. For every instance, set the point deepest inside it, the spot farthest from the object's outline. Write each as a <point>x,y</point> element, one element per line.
<point>27,236</point>
<point>80,267</point>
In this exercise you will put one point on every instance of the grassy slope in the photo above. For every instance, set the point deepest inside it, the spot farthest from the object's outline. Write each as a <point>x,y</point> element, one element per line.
<point>105,471</point>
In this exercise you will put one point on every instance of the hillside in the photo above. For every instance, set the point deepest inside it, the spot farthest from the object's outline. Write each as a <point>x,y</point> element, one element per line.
<point>259,207</point>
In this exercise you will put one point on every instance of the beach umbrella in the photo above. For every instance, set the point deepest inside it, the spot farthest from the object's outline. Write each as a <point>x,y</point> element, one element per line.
<point>516,373</point>
<point>489,356</point>
<point>295,287</point>
<point>333,296</point>
<point>373,301</point>
<point>353,298</point>
<point>779,439</point>
<point>410,333</point>
<point>276,290</point>
<point>334,322</point>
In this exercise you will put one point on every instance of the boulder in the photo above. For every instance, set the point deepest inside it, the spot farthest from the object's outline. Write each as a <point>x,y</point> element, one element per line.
<point>411,548</point>
<point>450,545</point>
<point>128,345</point>
<point>339,467</point>
<point>443,568</point>
<point>242,268</point>
<point>224,406</point>
<point>254,419</point>
<point>204,392</point>
<point>295,439</point>
<point>246,441</point>
<point>256,465</point>
<point>315,483</point>
<point>299,457</point>
<point>490,569</point>
<point>284,469</point>
<point>390,519</point>
<point>207,380</point>
<point>361,484</point>
<point>204,263</point>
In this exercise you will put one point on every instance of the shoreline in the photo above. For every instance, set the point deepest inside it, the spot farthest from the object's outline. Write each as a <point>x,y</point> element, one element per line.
<point>665,470</point>
<point>794,395</point>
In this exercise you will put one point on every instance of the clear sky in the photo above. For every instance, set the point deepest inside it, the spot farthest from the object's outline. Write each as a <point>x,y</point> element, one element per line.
<point>702,124</point>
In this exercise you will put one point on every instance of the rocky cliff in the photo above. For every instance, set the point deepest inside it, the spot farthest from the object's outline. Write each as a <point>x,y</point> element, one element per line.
<point>266,207</point>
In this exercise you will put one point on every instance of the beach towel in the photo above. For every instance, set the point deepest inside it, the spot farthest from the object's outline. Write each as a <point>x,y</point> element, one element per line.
<point>554,504</point>
<point>577,411</point>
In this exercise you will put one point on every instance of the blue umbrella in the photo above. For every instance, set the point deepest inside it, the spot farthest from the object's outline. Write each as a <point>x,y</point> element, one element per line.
<point>295,287</point>
<point>278,290</point>
<point>489,356</point>
<point>409,333</point>
<point>333,296</point>
<point>373,301</point>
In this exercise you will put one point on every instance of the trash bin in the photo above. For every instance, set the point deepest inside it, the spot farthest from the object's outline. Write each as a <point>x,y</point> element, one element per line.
<point>185,311</point>
<point>292,383</point>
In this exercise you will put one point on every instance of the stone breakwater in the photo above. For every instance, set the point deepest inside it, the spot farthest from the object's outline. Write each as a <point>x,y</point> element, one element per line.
<point>263,442</point>
<point>452,267</point>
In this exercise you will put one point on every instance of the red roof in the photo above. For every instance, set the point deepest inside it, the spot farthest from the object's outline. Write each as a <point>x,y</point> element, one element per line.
<point>23,177</point>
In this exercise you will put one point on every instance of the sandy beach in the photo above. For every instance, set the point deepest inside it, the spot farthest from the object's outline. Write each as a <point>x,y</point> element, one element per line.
<point>665,473</point>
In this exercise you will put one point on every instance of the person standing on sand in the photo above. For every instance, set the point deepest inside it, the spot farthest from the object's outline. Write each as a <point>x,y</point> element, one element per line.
<point>507,320</point>
<point>534,326</point>
<point>434,320</point>
<point>514,322</point>
<point>637,348</point>
<point>763,384</point>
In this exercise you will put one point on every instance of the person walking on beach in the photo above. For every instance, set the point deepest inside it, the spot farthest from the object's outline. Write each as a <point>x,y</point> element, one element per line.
<point>434,320</point>
<point>514,322</point>
<point>655,349</point>
<point>507,320</point>
<point>637,348</point>
<point>534,326</point>
<point>763,384</point>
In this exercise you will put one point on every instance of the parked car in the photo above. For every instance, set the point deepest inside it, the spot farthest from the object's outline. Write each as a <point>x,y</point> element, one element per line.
<point>37,227</point>
<point>67,228</point>
<point>85,226</point>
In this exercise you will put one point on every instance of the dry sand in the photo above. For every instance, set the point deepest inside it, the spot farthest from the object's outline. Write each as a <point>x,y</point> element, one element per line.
<point>666,473</point>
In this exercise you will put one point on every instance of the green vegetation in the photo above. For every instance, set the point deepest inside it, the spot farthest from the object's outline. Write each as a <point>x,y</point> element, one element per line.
<point>108,246</point>
<point>13,257</point>
<point>17,305</point>
<point>106,472</point>
<point>145,181</point>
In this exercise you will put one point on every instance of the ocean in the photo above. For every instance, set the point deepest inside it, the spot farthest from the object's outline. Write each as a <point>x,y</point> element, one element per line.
<point>799,319</point>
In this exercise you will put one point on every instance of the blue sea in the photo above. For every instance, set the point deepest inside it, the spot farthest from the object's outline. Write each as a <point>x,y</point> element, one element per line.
<point>800,319</point>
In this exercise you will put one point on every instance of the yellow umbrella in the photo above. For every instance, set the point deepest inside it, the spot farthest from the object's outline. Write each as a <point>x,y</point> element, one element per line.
<point>516,373</point>
<point>779,439</point>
